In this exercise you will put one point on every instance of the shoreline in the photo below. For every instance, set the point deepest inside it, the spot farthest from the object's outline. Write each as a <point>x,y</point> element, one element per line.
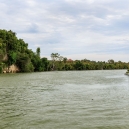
<point>62,71</point>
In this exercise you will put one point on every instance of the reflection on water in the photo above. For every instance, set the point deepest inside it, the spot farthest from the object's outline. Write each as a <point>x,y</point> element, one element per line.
<point>65,100</point>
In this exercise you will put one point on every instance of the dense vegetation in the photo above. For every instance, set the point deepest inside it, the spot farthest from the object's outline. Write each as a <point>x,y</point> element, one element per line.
<point>60,63</point>
<point>15,51</point>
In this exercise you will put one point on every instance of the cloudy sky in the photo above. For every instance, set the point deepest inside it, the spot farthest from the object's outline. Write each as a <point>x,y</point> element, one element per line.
<point>76,29</point>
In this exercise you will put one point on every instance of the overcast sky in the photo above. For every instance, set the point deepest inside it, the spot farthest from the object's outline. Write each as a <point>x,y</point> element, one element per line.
<point>76,29</point>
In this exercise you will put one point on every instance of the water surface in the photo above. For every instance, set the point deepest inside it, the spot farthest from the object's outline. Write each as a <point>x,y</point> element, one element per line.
<point>65,100</point>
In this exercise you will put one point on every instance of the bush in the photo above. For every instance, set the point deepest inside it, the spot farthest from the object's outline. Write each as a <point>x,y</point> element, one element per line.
<point>1,69</point>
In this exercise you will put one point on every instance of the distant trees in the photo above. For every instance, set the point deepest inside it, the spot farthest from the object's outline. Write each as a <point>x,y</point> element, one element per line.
<point>45,64</point>
<point>15,51</point>
<point>66,64</point>
<point>38,51</point>
<point>111,61</point>
<point>55,57</point>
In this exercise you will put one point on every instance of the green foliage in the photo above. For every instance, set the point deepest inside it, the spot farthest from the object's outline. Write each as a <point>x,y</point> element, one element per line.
<point>24,63</point>
<point>86,64</point>
<point>1,69</point>
<point>45,64</point>
<point>38,51</point>
<point>15,51</point>
<point>12,57</point>
<point>78,65</point>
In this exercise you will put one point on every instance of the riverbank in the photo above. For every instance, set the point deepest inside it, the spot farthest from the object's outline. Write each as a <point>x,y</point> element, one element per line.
<point>127,73</point>
<point>12,69</point>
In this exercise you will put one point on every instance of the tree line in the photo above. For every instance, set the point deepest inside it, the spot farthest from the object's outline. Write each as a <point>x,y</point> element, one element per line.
<point>16,51</point>
<point>62,63</point>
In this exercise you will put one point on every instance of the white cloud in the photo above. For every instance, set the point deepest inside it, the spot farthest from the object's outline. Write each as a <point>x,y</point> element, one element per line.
<point>75,28</point>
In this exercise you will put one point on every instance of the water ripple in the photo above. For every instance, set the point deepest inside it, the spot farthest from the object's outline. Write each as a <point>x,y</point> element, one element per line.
<point>65,100</point>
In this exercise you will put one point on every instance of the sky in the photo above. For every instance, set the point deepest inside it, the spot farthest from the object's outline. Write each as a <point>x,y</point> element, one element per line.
<point>77,29</point>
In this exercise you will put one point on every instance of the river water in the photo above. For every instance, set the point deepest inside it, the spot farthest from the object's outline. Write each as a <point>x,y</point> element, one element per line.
<point>65,100</point>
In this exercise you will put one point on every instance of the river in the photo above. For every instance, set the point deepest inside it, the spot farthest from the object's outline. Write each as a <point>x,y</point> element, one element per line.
<point>65,100</point>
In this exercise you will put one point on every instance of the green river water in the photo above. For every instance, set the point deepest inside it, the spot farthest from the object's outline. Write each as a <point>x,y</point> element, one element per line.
<point>65,100</point>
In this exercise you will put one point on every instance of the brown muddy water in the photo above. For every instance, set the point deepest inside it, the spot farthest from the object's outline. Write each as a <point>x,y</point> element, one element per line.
<point>65,100</point>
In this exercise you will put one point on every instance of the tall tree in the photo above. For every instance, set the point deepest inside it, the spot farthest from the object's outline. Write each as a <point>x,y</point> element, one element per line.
<point>54,57</point>
<point>38,51</point>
